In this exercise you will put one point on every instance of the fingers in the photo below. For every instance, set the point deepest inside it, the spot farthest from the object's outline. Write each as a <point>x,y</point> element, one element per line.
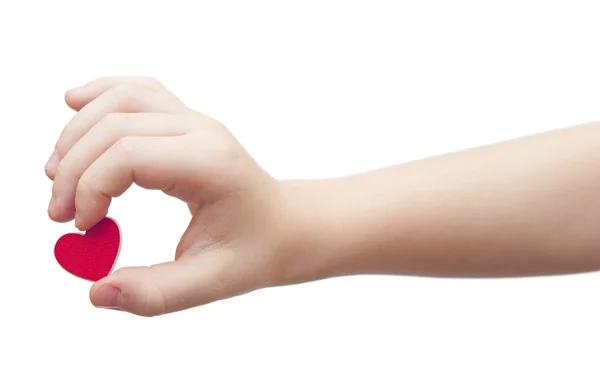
<point>101,137</point>
<point>170,287</point>
<point>123,98</point>
<point>159,163</point>
<point>77,98</point>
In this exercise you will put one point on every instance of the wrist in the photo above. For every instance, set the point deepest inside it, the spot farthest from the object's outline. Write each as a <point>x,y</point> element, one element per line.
<point>316,242</point>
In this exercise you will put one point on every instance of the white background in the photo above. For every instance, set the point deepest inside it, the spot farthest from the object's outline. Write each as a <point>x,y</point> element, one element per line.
<point>312,89</point>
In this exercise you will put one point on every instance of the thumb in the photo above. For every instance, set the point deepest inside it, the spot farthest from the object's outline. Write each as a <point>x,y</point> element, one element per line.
<point>168,287</point>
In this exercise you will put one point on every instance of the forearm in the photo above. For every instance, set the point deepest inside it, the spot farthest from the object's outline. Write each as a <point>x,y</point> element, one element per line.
<point>523,207</point>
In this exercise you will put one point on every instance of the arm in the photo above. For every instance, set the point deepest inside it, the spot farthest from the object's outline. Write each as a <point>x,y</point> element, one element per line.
<point>522,207</point>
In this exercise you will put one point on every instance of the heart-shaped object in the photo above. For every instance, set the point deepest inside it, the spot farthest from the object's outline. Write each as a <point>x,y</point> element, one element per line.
<point>92,255</point>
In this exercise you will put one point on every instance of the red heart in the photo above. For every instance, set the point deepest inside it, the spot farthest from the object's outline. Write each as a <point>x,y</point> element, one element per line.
<point>92,255</point>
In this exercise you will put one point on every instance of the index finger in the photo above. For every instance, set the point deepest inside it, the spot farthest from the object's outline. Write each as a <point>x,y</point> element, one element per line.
<point>155,163</point>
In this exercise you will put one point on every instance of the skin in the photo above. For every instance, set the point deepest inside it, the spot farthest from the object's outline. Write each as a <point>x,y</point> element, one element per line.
<point>517,208</point>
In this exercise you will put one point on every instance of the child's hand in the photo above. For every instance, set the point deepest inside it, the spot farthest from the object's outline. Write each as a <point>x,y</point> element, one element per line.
<point>462,214</point>
<point>133,130</point>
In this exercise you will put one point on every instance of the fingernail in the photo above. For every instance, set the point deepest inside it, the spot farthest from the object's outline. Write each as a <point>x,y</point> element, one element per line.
<point>78,219</point>
<point>107,297</point>
<point>52,161</point>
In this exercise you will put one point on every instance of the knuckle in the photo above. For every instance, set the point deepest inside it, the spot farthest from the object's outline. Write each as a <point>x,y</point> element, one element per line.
<point>126,146</point>
<point>156,301</point>
<point>140,303</point>
<point>144,298</point>
<point>84,185</point>
<point>64,174</point>
<point>125,89</point>
<point>112,126</point>
<point>83,192</point>
<point>133,97</point>
<point>224,146</point>
<point>227,151</point>
<point>126,93</point>
<point>110,119</point>
<point>111,122</point>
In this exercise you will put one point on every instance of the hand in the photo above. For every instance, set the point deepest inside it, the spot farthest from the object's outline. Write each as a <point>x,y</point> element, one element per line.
<point>133,130</point>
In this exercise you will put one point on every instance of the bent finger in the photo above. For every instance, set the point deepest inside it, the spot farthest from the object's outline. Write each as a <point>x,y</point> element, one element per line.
<point>99,139</point>
<point>158,163</point>
<point>123,98</point>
